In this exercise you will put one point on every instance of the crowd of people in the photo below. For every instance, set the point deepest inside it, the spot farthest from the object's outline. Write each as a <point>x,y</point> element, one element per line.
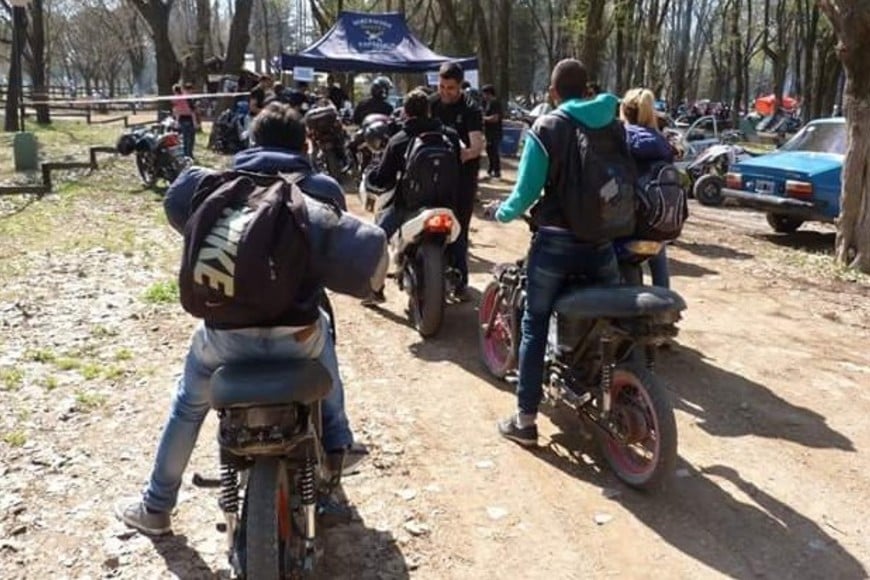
<point>352,255</point>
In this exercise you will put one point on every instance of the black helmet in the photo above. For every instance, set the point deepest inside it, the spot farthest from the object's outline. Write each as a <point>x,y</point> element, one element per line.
<point>381,87</point>
<point>376,132</point>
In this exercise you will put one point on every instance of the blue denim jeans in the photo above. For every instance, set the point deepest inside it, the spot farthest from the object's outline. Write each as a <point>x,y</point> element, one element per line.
<point>554,258</point>
<point>658,269</point>
<point>389,220</point>
<point>212,348</point>
<point>187,128</point>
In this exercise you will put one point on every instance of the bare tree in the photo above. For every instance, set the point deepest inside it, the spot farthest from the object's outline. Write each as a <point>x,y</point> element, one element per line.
<point>851,20</point>
<point>156,13</point>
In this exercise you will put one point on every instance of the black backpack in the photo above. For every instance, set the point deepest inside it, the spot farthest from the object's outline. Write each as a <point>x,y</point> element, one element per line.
<point>246,249</point>
<point>600,190</point>
<point>431,176</point>
<point>663,206</point>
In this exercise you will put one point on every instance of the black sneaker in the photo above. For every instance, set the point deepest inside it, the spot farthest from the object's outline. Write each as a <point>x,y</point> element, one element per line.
<point>375,298</point>
<point>525,436</point>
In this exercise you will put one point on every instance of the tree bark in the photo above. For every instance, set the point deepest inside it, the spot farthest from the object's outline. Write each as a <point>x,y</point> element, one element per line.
<point>239,37</point>
<point>13,94</point>
<point>156,13</point>
<point>593,40</point>
<point>504,49</point>
<point>38,64</point>
<point>851,20</point>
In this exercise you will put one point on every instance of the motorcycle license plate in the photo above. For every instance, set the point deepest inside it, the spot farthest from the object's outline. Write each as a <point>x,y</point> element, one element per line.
<point>177,151</point>
<point>763,186</point>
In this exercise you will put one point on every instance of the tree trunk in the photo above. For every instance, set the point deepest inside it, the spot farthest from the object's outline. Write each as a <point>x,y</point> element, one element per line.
<point>810,47</point>
<point>38,63</point>
<point>683,52</point>
<point>156,13</point>
<point>504,49</point>
<point>13,94</point>
<point>239,37</point>
<point>851,20</point>
<point>593,41</point>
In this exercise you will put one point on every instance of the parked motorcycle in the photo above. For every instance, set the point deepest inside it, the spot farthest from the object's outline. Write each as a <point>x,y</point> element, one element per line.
<point>600,360</point>
<point>419,249</point>
<point>272,463</point>
<point>159,152</point>
<point>328,142</point>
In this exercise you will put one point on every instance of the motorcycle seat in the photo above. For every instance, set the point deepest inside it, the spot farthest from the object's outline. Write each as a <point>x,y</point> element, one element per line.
<point>618,302</point>
<point>263,383</point>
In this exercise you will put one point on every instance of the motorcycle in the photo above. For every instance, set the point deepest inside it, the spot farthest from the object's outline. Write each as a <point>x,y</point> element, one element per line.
<point>367,145</point>
<point>600,360</point>
<point>159,152</point>
<point>272,463</point>
<point>328,142</point>
<point>419,248</point>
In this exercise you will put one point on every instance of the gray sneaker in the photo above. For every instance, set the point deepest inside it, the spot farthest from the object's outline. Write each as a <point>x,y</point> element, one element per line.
<point>134,513</point>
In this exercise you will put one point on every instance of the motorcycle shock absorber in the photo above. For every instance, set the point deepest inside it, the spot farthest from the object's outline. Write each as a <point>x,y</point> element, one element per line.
<point>229,500</point>
<point>308,492</point>
<point>608,365</point>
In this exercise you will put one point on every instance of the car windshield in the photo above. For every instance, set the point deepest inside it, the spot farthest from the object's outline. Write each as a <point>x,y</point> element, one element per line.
<point>819,138</point>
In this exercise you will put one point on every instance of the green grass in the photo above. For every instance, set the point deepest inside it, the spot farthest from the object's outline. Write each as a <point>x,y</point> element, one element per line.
<point>88,401</point>
<point>68,363</point>
<point>123,354</point>
<point>165,292</point>
<point>91,371</point>
<point>40,355</point>
<point>113,373</point>
<point>50,383</point>
<point>15,438</point>
<point>11,379</point>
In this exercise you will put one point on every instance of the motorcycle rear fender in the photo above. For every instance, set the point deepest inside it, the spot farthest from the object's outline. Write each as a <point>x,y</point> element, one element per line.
<point>413,229</point>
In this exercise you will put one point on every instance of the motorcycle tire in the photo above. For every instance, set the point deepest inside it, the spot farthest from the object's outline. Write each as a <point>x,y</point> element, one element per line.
<point>497,345</point>
<point>145,168</point>
<point>640,407</point>
<point>708,190</point>
<point>268,523</point>
<point>427,298</point>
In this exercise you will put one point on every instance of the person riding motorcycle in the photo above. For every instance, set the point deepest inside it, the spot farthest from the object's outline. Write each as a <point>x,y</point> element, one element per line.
<point>350,255</point>
<point>376,103</point>
<point>556,254</point>
<point>386,174</point>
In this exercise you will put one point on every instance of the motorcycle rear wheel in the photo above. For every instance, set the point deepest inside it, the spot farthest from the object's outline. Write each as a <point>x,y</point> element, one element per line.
<point>268,524</point>
<point>643,412</point>
<point>427,298</point>
<point>497,344</point>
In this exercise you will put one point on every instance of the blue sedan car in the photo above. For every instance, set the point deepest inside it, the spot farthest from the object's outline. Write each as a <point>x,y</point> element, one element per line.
<point>798,182</point>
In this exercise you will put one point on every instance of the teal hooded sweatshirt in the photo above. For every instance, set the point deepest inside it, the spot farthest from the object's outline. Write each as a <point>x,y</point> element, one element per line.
<point>535,162</point>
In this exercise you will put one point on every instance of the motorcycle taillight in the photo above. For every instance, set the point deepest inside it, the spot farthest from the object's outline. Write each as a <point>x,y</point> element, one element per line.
<point>171,140</point>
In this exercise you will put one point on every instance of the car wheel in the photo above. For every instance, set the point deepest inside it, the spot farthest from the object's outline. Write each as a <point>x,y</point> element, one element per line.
<point>783,224</point>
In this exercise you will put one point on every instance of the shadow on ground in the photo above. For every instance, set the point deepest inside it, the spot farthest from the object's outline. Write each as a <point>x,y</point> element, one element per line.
<point>713,514</point>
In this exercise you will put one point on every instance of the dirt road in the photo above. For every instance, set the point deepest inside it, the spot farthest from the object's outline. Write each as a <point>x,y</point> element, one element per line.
<point>769,379</point>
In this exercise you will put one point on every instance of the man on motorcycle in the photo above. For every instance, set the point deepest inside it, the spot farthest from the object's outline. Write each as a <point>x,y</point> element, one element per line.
<point>387,174</point>
<point>348,253</point>
<point>556,255</point>
<point>376,103</point>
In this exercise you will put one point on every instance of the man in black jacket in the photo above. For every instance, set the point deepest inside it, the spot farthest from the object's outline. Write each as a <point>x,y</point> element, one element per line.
<point>377,103</point>
<point>386,174</point>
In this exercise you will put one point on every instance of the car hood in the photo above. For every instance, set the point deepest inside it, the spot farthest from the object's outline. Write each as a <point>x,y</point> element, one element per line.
<point>802,162</point>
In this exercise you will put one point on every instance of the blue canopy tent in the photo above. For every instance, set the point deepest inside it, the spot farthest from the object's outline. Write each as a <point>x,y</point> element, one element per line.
<point>370,42</point>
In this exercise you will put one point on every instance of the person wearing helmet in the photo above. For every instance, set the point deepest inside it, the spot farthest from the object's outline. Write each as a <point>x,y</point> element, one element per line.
<point>376,103</point>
